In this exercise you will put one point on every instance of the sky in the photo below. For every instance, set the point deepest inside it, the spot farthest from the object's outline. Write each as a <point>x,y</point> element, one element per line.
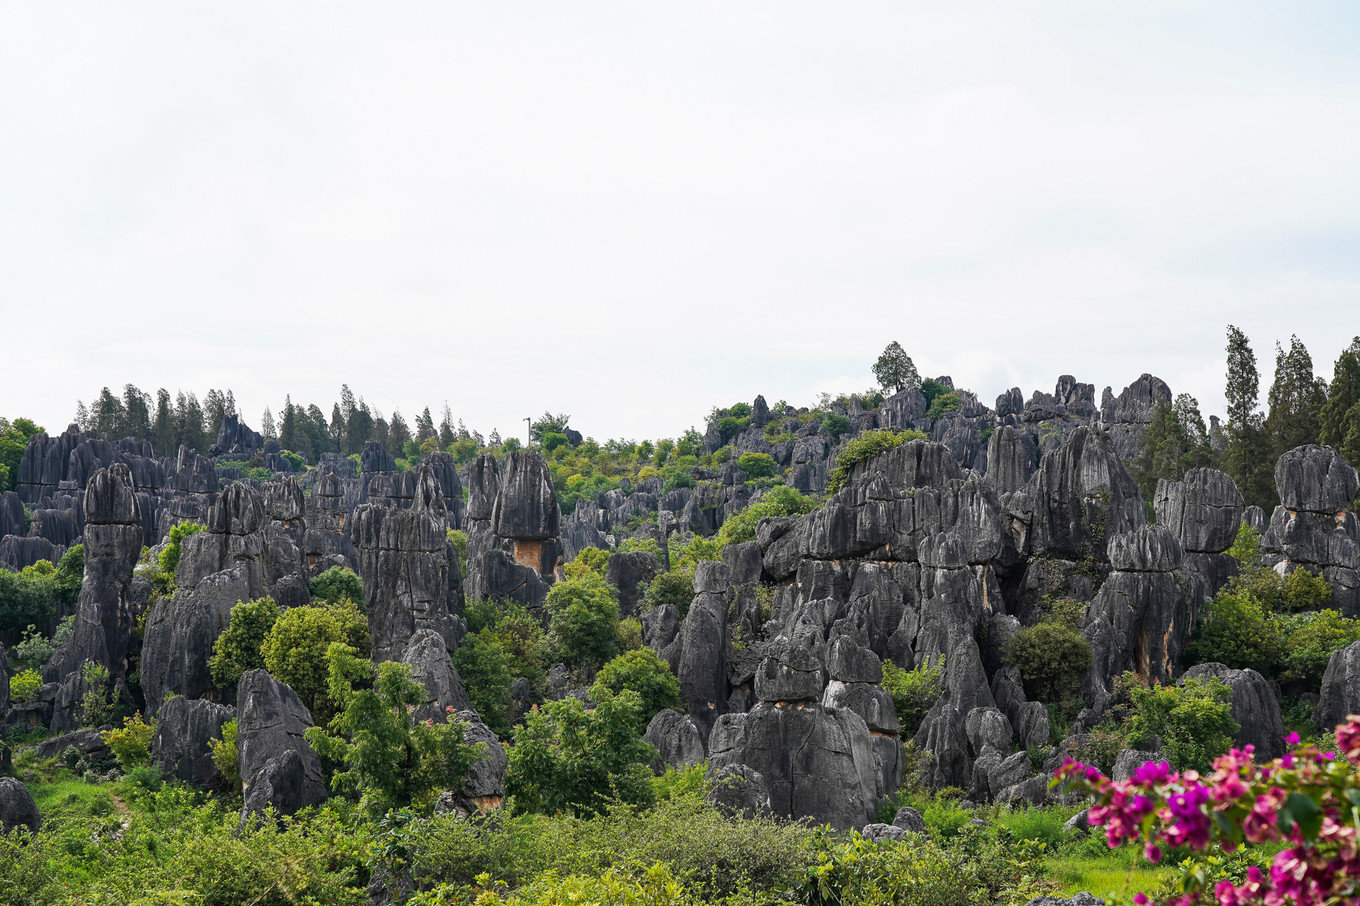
<point>634,212</point>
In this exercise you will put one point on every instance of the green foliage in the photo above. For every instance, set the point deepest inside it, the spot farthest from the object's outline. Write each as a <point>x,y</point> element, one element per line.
<point>35,649</point>
<point>654,886</point>
<point>675,588</point>
<point>131,745</point>
<point>24,686</point>
<point>1339,421</point>
<point>1310,641</point>
<point>583,621</point>
<point>335,585</point>
<point>568,759</point>
<point>390,759</point>
<point>163,581</point>
<point>1296,399</point>
<point>96,704</point>
<point>640,671</point>
<point>296,462</point>
<point>758,465</point>
<point>225,756</point>
<point>974,871</point>
<point>588,560</point>
<point>1192,721</point>
<point>913,692</point>
<point>943,404</point>
<point>895,371</point>
<point>730,426</point>
<point>1051,656</point>
<point>1248,457</point>
<point>13,441</point>
<point>241,646</point>
<point>865,447</point>
<point>33,594</point>
<point>296,648</point>
<point>835,425</point>
<point>485,668</point>
<point>1172,444</point>
<point>931,389</point>
<point>780,500</point>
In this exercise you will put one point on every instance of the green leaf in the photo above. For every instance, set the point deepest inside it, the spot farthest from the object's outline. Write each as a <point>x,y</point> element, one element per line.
<point>1304,812</point>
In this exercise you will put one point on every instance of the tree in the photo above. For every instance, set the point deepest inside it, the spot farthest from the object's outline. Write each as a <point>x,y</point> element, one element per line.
<point>295,650</point>
<point>1248,455</point>
<point>136,413</point>
<point>425,426</point>
<point>390,759</point>
<point>241,646</point>
<point>108,414</point>
<point>1173,443</point>
<point>267,428</point>
<point>485,668</point>
<point>163,428</point>
<point>1192,721</point>
<point>1339,421</point>
<point>584,620</point>
<point>895,370</point>
<point>1296,398</point>
<point>640,671</point>
<point>397,435</point>
<point>446,432</point>
<point>568,759</point>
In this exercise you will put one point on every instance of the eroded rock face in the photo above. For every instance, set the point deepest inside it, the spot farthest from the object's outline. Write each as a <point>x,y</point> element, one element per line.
<point>677,741</point>
<point>1203,510</point>
<point>105,616</point>
<point>700,658</point>
<point>1311,528</point>
<point>1340,696</point>
<point>404,561</point>
<point>1083,497</point>
<point>181,630</point>
<point>1255,707</point>
<point>185,730</point>
<point>484,789</point>
<point>433,669</point>
<point>526,504</point>
<point>279,769</point>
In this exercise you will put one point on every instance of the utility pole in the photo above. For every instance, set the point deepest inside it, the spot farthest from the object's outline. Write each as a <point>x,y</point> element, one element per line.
<point>528,432</point>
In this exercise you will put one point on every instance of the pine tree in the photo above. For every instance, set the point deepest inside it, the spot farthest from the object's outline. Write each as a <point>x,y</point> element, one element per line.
<point>82,416</point>
<point>337,427</point>
<point>397,435</point>
<point>1340,417</point>
<point>359,428</point>
<point>424,426</point>
<point>163,427</point>
<point>192,431</point>
<point>289,437</point>
<point>446,435</point>
<point>1296,399</point>
<point>108,414</point>
<point>1248,456</point>
<point>267,428</point>
<point>136,413</point>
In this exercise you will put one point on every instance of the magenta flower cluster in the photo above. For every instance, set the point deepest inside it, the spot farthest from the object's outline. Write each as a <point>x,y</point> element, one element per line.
<point>1308,800</point>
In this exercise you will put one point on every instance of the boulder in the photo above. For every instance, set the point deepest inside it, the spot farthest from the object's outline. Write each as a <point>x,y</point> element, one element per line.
<point>181,746</point>
<point>909,819</point>
<point>279,769</point>
<point>1255,707</point>
<point>1315,479</point>
<point>677,741</point>
<point>1203,510</point>
<point>17,806</point>
<point>1340,696</point>
<point>433,669</point>
<point>1083,496</point>
<point>484,789</point>
<point>629,572</point>
<point>884,833</point>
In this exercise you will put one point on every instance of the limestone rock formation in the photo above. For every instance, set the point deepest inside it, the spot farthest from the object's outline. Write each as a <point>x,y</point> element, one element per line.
<point>279,769</point>
<point>181,746</point>
<point>1255,707</point>
<point>17,807</point>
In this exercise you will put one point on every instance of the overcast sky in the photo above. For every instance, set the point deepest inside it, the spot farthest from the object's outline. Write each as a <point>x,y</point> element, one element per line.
<point>634,211</point>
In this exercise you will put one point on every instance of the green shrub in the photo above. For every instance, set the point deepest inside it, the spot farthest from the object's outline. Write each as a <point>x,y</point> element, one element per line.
<point>295,462</point>
<point>588,560</point>
<point>865,447</point>
<point>943,404</point>
<point>35,649</point>
<point>24,686</point>
<point>485,668</point>
<point>835,424</point>
<point>241,646</point>
<point>390,760</point>
<point>780,500</point>
<point>296,649</point>
<point>96,704</point>
<point>1051,656</point>
<point>675,588</point>
<point>225,756</point>
<point>30,596</point>
<point>758,465</point>
<point>1192,721</point>
<point>568,759</point>
<point>1310,641</point>
<point>163,581</point>
<point>914,692</point>
<point>640,671</point>
<point>131,745</point>
<point>584,620</point>
<point>460,546</point>
<point>335,585</point>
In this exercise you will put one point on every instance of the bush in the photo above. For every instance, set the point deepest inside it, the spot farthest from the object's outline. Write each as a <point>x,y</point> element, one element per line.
<point>30,596</point>
<point>1051,656</point>
<point>335,585</point>
<point>241,646</point>
<point>1310,641</point>
<point>588,560</point>
<point>731,426</point>
<point>24,686</point>
<point>1192,721</point>
<point>914,692</point>
<point>757,465</point>
<point>780,500</point>
<point>295,649</point>
<point>96,705</point>
<point>943,404</point>
<point>485,668</point>
<point>295,462</point>
<point>835,425</point>
<point>131,745</point>
<point>163,582</point>
<point>36,649</point>
<point>583,626</point>
<point>640,671</point>
<point>865,447</point>
<point>568,759</point>
<point>390,759</point>
<point>225,756</point>
<point>675,588</point>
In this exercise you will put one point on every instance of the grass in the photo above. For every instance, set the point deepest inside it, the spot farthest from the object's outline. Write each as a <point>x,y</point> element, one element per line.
<point>1122,871</point>
<point>72,798</point>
